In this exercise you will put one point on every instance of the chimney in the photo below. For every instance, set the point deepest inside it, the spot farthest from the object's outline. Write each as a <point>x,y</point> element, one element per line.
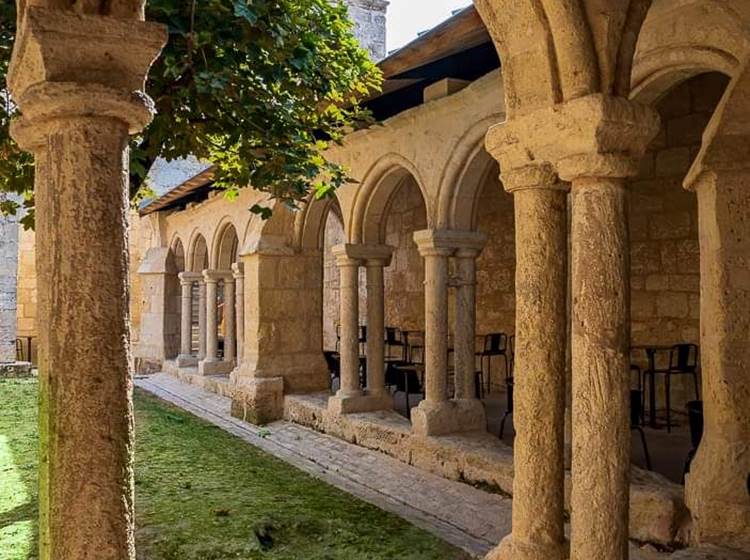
<point>369,25</point>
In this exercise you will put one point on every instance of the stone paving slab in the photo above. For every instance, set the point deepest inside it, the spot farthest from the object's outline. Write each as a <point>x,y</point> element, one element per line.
<point>471,519</point>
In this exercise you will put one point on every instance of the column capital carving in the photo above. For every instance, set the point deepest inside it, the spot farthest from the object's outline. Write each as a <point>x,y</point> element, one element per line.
<point>69,65</point>
<point>189,277</point>
<point>534,176</point>
<point>447,242</point>
<point>344,257</point>
<point>592,136</point>
<point>370,255</point>
<point>214,276</point>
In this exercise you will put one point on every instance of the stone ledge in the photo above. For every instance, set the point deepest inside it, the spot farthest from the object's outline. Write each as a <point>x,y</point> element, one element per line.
<point>15,370</point>
<point>658,513</point>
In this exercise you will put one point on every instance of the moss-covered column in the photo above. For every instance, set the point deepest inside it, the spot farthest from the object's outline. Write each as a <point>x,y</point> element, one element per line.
<point>78,111</point>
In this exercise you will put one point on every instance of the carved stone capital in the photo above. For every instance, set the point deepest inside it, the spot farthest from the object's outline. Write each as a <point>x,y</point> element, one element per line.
<point>594,136</point>
<point>69,65</point>
<point>215,276</point>
<point>446,242</point>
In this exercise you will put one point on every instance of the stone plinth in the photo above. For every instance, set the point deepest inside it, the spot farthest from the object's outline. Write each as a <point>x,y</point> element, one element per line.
<point>11,370</point>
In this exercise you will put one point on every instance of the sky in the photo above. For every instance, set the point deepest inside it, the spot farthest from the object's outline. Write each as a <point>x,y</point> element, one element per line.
<point>406,18</point>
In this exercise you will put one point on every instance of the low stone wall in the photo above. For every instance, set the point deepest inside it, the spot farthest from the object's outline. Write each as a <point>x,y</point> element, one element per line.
<point>218,384</point>
<point>657,510</point>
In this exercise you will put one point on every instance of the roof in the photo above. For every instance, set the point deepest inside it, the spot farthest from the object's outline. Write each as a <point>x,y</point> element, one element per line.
<point>460,47</point>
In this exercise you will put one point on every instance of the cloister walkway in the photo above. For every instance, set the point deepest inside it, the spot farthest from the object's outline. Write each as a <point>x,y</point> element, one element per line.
<point>469,518</point>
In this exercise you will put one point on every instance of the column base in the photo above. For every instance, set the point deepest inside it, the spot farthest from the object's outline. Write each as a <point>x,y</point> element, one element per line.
<point>508,550</point>
<point>259,401</point>
<point>348,404</point>
<point>215,368</point>
<point>186,361</point>
<point>448,417</point>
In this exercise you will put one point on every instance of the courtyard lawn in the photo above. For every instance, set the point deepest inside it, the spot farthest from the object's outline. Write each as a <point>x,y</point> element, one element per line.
<point>202,494</point>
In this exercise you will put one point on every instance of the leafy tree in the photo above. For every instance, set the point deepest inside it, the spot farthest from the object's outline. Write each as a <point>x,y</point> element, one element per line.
<point>260,88</point>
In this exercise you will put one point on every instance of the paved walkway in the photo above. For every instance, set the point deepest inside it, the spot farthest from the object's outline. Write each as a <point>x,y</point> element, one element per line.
<point>473,520</point>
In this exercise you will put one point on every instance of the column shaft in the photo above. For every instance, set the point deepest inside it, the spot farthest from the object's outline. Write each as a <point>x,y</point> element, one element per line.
<point>465,325</point>
<point>212,344</point>
<point>239,279</point>
<point>229,321</point>
<point>202,316</point>
<point>716,488</point>
<point>82,274</point>
<point>436,325</point>
<point>539,378</point>
<point>600,347</point>
<point>186,324</point>
<point>349,300</point>
<point>375,329</point>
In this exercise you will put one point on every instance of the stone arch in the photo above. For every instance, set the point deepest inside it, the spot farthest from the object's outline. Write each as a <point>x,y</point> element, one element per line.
<point>198,254</point>
<point>310,222</point>
<point>225,248</point>
<point>375,195</point>
<point>672,48</point>
<point>463,177</point>
<point>178,253</point>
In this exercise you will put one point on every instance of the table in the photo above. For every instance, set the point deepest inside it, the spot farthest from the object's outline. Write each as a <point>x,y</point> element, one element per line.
<point>651,351</point>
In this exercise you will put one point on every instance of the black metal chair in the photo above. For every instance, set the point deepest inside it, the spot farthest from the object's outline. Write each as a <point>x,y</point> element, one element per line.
<point>508,403</point>
<point>394,338</point>
<point>683,360</point>
<point>362,339</point>
<point>338,338</point>
<point>495,344</point>
<point>636,417</point>
<point>19,350</point>
<point>333,361</point>
<point>512,350</point>
<point>404,380</point>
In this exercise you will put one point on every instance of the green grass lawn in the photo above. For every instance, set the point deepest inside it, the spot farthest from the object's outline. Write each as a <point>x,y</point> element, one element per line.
<point>202,494</point>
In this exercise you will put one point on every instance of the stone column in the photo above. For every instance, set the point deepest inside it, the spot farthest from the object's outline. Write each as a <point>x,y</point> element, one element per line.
<point>717,488</point>
<point>464,355</point>
<point>436,414</point>
<point>349,319</point>
<point>229,319</point>
<point>201,319</point>
<point>238,272</point>
<point>78,111</point>
<point>601,329</point>
<point>211,365</point>
<point>186,358</point>
<point>540,203</point>
<point>351,397</point>
<point>596,143</point>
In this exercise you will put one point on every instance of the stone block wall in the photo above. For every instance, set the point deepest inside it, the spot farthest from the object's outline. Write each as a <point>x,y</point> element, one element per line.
<point>665,253</point>
<point>8,268</point>
<point>404,279</point>
<point>496,266</point>
<point>26,311</point>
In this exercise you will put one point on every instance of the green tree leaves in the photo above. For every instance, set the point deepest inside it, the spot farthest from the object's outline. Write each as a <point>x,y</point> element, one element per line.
<point>260,88</point>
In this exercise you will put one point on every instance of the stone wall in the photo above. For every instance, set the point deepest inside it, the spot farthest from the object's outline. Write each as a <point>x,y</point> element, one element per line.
<point>334,235</point>
<point>27,302</point>
<point>496,266</point>
<point>8,267</point>
<point>369,25</point>
<point>665,254</point>
<point>404,279</point>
